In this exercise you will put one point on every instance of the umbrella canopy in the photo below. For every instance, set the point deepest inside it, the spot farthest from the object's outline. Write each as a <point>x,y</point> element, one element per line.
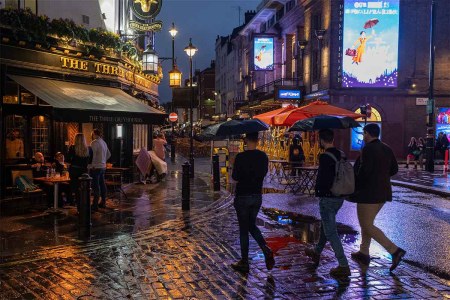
<point>324,121</point>
<point>235,127</point>
<point>268,117</point>
<point>371,23</point>
<point>315,108</point>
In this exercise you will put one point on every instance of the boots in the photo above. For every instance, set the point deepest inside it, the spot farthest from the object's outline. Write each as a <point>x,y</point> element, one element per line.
<point>268,255</point>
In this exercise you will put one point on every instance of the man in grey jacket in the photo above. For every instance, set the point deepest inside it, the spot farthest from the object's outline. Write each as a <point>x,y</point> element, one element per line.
<point>100,154</point>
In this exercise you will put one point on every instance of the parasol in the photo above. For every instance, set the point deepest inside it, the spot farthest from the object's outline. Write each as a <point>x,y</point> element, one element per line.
<point>324,121</point>
<point>371,23</point>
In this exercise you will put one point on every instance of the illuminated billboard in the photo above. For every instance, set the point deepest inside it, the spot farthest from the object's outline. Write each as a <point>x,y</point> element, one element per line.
<point>443,121</point>
<point>370,58</point>
<point>289,94</point>
<point>263,53</point>
<point>356,136</point>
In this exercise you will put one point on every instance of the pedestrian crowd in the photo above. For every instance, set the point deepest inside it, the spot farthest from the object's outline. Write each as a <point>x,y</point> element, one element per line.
<point>366,183</point>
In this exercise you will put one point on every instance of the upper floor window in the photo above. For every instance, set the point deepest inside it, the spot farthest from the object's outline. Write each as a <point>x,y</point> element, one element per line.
<point>280,13</point>
<point>317,22</point>
<point>85,19</point>
<point>290,5</point>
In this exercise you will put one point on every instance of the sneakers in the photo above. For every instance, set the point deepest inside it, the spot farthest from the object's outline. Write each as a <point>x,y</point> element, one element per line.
<point>340,271</point>
<point>315,257</point>
<point>241,266</point>
<point>361,258</point>
<point>397,258</point>
<point>268,255</point>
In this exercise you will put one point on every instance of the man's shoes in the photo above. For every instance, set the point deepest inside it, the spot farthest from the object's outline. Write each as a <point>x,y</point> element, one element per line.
<point>340,271</point>
<point>315,257</point>
<point>397,258</point>
<point>241,266</point>
<point>361,258</point>
<point>268,255</point>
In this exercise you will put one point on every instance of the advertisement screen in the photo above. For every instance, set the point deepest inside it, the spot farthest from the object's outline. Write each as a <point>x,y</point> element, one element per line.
<point>289,94</point>
<point>263,53</point>
<point>443,121</point>
<point>356,136</point>
<point>370,58</point>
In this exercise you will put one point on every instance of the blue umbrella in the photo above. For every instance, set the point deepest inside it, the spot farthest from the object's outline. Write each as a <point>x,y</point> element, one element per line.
<point>324,121</point>
<point>234,127</point>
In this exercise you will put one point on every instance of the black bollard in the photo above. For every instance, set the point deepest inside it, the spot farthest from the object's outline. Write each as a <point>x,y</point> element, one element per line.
<point>84,214</point>
<point>172,151</point>
<point>186,188</point>
<point>216,172</point>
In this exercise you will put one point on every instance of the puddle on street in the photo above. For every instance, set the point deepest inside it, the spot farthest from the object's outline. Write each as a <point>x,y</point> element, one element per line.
<point>306,228</point>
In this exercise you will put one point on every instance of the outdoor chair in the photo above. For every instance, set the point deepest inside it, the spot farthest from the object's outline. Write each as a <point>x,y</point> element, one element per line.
<point>28,196</point>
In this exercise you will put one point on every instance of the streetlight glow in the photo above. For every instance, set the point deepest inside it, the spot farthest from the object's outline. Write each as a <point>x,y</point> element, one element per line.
<point>173,31</point>
<point>190,49</point>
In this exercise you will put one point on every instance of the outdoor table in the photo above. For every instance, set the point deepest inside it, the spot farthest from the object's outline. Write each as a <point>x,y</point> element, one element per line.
<point>276,169</point>
<point>306,179</point>
<point>116,175</point>
<point>55,181</point>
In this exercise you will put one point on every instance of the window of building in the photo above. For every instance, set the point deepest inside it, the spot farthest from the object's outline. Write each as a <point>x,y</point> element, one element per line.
<point>294,51</point>
<point>15,128</point>
<point>140,137</point>
<point>40,135</point>
<point>30,4</point>
<point>271,22</point>
<point>11,93</point>
<point>263,27</point>
<point>85,19</point>
<point>315,65</point>
<point>12,4</point>
<point>280,13</point>
<point>316,22</point>
<point>26,97</point>
<point>283,61</point>
<point>290,5</point>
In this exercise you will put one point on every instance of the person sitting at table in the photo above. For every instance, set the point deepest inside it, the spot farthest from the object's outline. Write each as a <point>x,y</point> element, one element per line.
<point>64,188</point>
<point>296,155</point>
<point>59,165</point>
<point>39,165</point>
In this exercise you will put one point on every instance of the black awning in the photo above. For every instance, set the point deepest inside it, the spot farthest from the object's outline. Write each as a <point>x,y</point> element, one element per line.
<point>84,103</point>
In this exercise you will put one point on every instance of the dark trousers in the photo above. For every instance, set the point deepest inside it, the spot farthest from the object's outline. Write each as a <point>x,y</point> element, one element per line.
<point>98,186</point>
<point>247,208</point>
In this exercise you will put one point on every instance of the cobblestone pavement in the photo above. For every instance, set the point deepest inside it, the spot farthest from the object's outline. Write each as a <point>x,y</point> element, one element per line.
<point>188,258</point>
<point>437,182</point>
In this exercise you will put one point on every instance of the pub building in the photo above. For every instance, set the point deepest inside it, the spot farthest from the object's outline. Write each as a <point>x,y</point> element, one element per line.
<point>48,95</point>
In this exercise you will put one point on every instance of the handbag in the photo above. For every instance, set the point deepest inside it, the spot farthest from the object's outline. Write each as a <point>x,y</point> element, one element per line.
<point>350,52</point>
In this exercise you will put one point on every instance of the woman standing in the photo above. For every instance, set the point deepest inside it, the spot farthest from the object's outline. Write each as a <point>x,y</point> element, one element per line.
<point>79,157</point>
<point>421,144</point>
<point>413,152</point>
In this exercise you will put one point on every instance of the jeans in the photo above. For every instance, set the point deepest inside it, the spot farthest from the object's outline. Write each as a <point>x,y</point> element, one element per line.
<point>247,208</point>
<point>366,216</point>
<point>329,208</point>
<point>98,185</point>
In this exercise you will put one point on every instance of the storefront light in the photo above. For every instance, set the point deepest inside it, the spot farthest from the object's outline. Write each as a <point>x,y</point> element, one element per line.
<point>119,131</point>
<point>150,60</point>
<point>41,119</point>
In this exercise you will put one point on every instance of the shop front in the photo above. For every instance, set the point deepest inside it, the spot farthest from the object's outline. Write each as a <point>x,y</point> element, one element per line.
<point>47,98</point>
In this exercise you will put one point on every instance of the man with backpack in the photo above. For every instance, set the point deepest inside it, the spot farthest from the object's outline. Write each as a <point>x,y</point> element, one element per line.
<point>332,182</point>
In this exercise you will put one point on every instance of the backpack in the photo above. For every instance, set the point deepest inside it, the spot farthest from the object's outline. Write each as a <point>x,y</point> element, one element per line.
<point>24,184</point>
<point>344,178</point>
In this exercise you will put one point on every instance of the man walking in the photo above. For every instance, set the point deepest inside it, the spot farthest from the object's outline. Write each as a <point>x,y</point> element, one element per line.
<point>329,205</point>
<point>250,168</point>
<point>100,154</point>
<point>373,188</point>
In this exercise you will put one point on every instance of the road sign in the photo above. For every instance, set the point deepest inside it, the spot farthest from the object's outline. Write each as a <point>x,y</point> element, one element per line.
<point>173,117</point>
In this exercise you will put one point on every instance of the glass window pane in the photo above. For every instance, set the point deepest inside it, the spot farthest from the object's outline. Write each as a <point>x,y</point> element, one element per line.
<point>39,135</point>
<point>11,93</point>
<point>26,97</point>
<point>31,4</point>
<point>15,129</point>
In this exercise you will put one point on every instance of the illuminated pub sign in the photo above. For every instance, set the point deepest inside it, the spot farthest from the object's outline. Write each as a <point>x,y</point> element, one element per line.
<point>144,11</point>
<point>370,57</point>
<point>263,53</point>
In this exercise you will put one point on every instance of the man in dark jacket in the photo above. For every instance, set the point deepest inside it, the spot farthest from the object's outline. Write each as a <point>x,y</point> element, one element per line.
<point>250,168</point>
<point>329,205</point>
<point>373,188</point>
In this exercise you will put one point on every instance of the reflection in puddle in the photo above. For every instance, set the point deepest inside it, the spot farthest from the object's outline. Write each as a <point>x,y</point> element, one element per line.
<point>306,228</point>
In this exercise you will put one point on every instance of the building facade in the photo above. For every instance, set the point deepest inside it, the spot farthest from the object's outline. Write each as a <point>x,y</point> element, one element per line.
<point>206,91</point>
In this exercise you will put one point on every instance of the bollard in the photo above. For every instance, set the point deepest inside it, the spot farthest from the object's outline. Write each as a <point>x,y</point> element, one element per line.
<point>186,188</point>
<point>216,172</point>
<point>84,213</point>
<point>446,161</point>
<point>172,151</point>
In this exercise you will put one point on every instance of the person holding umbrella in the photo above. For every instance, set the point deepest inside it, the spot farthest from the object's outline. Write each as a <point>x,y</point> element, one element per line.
<point>250,168</point>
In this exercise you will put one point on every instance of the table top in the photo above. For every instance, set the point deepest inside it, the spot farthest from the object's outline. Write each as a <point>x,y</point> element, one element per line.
<point>312,168</point>
<point>278,161</point>
<point>52,179</point>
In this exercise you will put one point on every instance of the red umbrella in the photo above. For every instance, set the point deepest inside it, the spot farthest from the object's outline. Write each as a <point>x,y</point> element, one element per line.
<point>371,23</point>
<point>268,117</point>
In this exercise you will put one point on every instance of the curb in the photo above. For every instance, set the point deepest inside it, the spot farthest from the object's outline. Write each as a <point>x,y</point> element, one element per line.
<point>421,188</point>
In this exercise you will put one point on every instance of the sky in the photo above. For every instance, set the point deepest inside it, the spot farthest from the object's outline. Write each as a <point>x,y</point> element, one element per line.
<point>202,20</point>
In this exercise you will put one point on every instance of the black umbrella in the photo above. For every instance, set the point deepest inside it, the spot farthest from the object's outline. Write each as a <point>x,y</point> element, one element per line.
<point>324,121</point>
<point>234,127</point>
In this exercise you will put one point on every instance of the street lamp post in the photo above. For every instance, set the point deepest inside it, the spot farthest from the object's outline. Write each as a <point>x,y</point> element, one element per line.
<point>174,75</point>
<point>319,35</point>
<point>429,166</point>
<point>190,51</point>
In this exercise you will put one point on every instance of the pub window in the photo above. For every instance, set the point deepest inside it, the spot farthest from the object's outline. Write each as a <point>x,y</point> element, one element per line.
<point>140,134</point>
<point>15,127</point>
<point>11,92</point>
<point>40,135</point>
<point>26,97</point>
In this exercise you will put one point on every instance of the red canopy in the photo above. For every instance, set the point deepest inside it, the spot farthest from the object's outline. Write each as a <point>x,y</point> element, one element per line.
<point>268,117</point>
<point>313,109</point>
